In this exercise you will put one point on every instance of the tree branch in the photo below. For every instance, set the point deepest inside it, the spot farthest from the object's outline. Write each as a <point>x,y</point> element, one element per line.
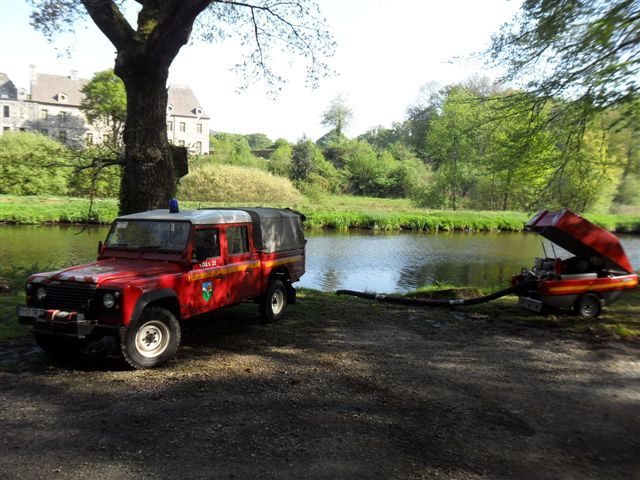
<point>110,21</point>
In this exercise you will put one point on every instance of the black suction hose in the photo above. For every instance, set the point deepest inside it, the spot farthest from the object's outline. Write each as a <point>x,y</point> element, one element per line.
<point>423,302</point>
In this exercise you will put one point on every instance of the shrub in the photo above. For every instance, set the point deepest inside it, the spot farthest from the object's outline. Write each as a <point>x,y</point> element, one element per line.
<point>233,184</point>
<point>23,160</point>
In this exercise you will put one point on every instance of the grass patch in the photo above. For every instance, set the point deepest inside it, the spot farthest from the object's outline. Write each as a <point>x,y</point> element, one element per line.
<point>336,212</point>
<point>622,319</point>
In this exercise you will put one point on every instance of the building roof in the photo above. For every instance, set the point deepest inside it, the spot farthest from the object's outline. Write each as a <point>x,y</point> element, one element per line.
<point>184,102</point>
<point>46,88</point>
<point>196,217</point>
<point>7,88</point>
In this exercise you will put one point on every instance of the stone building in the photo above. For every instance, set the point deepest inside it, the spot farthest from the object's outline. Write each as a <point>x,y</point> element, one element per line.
<point>53,108</point>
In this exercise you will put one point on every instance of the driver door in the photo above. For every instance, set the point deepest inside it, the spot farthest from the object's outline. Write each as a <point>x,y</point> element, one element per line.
<point>208,282</point>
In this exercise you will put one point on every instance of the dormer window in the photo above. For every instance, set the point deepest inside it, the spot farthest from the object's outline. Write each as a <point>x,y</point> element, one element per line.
<point>169,109</point>
<point>62,97</point>
<point>197,111</point>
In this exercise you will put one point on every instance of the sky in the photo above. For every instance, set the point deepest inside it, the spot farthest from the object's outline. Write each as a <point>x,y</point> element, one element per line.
<point>385,52</point>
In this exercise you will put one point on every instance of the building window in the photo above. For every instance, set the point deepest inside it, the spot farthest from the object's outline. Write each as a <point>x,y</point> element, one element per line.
<point>22,129</point>
<point>237,240</point>
<point>62,135</point>
<point>44,131</point>
<point>44,114</point>
<point>6,111</point>
<point>199,127</point>
<point>199,147</point>
<point>89,138</point>
<point>183,127</point>
<point>181,143</point>
<point>170,126</point>
<point>62,116</point>
<point>7,129</point>
<point>62,97</point>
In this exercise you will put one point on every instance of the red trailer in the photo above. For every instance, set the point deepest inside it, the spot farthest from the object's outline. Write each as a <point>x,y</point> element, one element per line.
<point>594,277</point>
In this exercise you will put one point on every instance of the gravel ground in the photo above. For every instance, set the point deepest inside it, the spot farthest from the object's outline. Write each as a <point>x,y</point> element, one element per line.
<point>340,388</point>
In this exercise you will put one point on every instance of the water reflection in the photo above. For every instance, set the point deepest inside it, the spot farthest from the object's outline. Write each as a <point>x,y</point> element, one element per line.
<point>357,260</point>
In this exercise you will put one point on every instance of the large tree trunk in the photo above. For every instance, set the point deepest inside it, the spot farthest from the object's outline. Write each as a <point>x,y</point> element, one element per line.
<point>149,179</point>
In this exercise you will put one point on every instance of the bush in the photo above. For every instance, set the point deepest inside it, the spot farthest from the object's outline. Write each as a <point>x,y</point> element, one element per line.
<point>233,184</point>
<point>23,160</point>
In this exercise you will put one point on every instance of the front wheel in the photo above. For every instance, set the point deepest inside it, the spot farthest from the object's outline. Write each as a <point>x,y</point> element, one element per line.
<point>588,306</point>
<point>274,301</point>
<point>152,339</point>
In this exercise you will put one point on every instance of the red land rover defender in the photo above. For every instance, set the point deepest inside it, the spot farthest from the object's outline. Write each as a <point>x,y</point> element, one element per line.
<point>158,268</point>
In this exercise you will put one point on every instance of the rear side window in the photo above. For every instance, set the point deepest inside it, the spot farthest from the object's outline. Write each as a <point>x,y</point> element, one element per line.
<point>237,240</point>
<point>209,240</point>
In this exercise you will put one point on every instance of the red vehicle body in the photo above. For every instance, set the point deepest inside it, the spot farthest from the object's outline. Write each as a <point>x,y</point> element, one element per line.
<point>596,276</point>
<point>158,268</point>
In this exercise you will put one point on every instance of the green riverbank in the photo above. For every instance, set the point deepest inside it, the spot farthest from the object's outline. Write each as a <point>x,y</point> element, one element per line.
<point>331,212</point>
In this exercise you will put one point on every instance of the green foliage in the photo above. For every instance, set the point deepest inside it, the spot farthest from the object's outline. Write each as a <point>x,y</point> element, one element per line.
<point>303,157</point>
<point>105,102</point>
<point>337,116</point>
<point>232,149</point>
<point>280,160</point>
<point>27,164</point>
<point>229,183</point>
<point>258,141</point>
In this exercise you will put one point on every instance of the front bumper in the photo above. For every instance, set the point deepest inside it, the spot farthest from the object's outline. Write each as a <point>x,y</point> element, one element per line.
<point>66,324</point>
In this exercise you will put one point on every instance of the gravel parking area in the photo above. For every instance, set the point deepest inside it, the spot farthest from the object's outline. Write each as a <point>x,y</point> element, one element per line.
<point>340,388</point>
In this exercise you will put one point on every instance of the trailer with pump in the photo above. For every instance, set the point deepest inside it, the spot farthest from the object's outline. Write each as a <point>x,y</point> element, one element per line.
<point>595,274</point>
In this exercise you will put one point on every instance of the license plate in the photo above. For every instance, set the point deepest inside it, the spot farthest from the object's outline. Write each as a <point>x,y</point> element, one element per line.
<point>30,312</point>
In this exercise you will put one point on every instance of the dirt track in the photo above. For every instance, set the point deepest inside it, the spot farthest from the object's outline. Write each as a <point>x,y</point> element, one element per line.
<point>351,391</point>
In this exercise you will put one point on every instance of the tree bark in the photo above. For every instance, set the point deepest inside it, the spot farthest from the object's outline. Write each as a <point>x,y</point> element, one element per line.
<point>149,179</point>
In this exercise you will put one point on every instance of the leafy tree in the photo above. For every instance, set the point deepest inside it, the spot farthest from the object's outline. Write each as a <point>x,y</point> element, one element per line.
<point>280,159</point>
<point>105,102</point>
<point>453,145</point>
<point>585,51</point>
<point>302,158</point>
<point>232,149</point>
<point>337,116</point>
<point>29,164</point>
<point>145,53</point>
<point>258,141</point>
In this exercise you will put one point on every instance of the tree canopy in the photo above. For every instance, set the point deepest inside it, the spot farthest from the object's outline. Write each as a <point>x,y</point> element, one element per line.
<point>105,103</point>
<point>586,51</point>
<point>144,54</point>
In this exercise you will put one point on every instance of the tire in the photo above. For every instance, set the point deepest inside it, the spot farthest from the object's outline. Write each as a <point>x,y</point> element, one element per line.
<point>60,348</point>
<point>274,302</point>
<point>588,306</point>
<point>152,339</point>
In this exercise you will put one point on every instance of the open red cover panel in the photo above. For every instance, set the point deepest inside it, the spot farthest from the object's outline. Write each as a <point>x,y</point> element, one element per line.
<point>581,237</point>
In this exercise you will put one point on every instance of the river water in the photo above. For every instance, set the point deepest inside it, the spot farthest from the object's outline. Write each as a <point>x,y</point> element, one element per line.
<point>381,262</point>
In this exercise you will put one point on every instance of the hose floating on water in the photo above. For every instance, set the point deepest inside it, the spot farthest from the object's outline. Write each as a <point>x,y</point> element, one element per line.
<point>423,302</point>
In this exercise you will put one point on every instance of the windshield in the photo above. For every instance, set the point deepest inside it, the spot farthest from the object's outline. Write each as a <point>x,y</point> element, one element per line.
<point>149,235</point>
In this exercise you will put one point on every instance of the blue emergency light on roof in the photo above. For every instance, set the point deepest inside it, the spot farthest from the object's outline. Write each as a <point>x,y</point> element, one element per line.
<point>173,206</point>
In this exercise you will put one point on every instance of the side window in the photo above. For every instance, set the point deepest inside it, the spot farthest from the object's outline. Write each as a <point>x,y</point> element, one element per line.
<point>209,240</point>
<point>237,241</point>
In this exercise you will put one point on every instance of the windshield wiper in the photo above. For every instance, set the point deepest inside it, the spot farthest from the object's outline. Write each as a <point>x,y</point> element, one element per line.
<point>149,247</point>
<point>117,245</point>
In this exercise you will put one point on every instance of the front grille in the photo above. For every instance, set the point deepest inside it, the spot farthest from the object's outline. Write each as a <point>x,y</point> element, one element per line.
<point>69,296</point>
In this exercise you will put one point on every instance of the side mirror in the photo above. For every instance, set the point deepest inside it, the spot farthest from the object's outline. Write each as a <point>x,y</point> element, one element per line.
<point>201,253</point>
<point>100,247</point>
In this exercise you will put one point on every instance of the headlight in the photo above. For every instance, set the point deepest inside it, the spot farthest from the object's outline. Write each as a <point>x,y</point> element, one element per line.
<point>41,294</point>
<point>108,300</point>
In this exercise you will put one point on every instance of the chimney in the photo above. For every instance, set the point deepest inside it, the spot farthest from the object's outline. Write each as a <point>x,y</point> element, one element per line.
<point>32,73</point>
<point>74,75</point>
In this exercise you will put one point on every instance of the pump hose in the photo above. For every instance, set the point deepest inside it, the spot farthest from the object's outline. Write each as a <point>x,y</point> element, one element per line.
<point>423,302</point>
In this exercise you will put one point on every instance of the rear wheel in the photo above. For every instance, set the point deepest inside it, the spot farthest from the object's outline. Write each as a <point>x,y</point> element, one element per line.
<point>60,348</point>
<point>274,301</point>
<point>152,339</point>
<point>588,305</point>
